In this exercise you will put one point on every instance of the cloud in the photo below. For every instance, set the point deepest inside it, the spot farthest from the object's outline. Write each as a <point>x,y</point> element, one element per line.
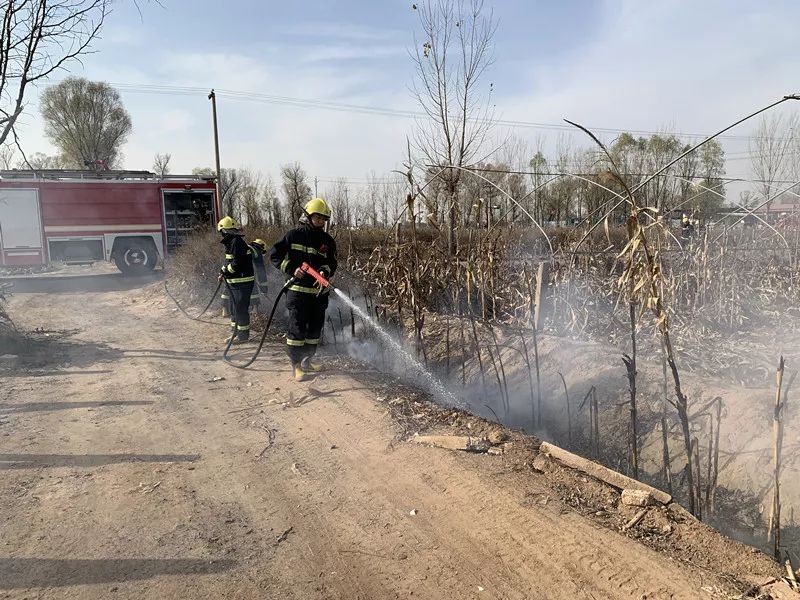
<point>341,30</point>
<point>356,52</point>
<point>693,66</point>
<point>125,36</point>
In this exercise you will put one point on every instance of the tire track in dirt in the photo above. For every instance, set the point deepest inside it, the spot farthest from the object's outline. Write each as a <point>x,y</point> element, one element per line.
<point>547,540</point>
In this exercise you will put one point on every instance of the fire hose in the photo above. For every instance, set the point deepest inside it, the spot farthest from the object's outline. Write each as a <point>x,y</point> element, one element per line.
<point>305,268</point>
<point>197,318</point>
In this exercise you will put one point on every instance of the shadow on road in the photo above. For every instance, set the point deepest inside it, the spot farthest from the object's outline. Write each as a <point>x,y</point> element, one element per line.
<point>33,461</point>
<point>103,282</point>
<point>18,573</point>
<point>212,356</point>
<point>25,407</point>
<point>55,349</point>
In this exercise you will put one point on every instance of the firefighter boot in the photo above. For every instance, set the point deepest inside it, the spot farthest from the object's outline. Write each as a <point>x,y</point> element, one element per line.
<point>309,366</point>
<point>236,339</point>
<point>299,373</point>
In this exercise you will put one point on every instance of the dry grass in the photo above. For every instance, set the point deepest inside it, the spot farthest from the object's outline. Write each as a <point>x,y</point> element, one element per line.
<point>192,270</point>
<point>8,331</point>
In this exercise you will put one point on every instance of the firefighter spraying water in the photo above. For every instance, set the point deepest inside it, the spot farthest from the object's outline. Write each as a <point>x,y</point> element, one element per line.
<point>302,252</point>
<point>307,257</point>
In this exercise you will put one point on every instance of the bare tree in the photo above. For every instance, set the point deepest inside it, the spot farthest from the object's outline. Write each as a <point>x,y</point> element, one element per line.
<point>710,165</point>
<point>250,195</point>
<point>39,160</point>
<point>161,164</point>
<point>770,150</point>
<point>392,200</point>
<point>340,201</point>
<point>539,167</point>
<point>450,60</point>
<point>295,188</point>
<point>38,37</point>
<point>8,155</point>
<point>271,203</point>
<point>86,121</point>
<point>371,200</point>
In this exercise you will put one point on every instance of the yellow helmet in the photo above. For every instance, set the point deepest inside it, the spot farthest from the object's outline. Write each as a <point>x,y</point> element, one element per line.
<point>318,206</point>
<point>227,223</point>
<point>260,243</point>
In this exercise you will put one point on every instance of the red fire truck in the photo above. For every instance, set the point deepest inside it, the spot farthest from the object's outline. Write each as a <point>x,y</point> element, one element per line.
<point>132,218</point>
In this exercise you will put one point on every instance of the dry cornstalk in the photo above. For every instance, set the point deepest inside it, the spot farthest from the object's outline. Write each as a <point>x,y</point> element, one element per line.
<point>646,268</point>
<point>538,379</point>
<point>478,352</point>
<point>715,475</point>
<point>527,358</point>
<point>696,491</point>
<point>569,416</point>
<point>774,530</point>
<point>447,348</point>
<point>596,423</point>
<point>499,381</point>
<point>590,397</point>
<point>633,444</point>
<point>504,388</point>
<point>709,464</point>
<point>630,366</point>
<point>665,458</point>
<point>333,331</point>
<point>463,354</point>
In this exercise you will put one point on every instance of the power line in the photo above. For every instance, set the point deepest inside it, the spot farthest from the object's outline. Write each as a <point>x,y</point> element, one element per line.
<point>554,174</point>
<point>359,181</point>
<point>383,111</point>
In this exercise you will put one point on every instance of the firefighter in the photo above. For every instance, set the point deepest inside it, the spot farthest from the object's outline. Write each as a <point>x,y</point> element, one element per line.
<point>258,248</point>
<point>305,301</point>
<point>238,275</point>
<point>687,229</point>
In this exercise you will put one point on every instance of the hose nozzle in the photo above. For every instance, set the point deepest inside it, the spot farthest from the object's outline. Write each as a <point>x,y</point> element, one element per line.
<point>320,278</point>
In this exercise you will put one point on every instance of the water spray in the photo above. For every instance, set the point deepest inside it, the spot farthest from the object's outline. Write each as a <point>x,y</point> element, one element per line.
<point>435,385</point>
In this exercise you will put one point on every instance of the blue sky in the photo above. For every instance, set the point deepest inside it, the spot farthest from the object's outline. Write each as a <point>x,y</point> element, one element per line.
<point>673,64</point>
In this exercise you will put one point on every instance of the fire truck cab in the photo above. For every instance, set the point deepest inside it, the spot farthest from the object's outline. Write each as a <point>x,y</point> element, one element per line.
<point>132,218</point>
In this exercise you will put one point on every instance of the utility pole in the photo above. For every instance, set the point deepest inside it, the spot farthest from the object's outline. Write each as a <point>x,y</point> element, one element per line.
<point>213,97</point>
<point>316,193</point>
<point>347,207</point>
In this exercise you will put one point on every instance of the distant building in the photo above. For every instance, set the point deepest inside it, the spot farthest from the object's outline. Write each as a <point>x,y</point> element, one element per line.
<point>785,207</point>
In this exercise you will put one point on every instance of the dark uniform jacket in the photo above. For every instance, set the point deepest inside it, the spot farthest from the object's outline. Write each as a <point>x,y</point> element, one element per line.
<point>306,244</point>
<point>238,260</point>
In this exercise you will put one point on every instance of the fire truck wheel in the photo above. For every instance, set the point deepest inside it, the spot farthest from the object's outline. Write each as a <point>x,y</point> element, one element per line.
<point>136,257</point>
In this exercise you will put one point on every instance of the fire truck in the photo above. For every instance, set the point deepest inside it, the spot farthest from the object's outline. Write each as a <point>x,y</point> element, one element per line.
<point>133,218</point>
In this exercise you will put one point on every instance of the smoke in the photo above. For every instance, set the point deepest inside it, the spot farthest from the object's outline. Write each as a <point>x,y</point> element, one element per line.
<point>412,366</point>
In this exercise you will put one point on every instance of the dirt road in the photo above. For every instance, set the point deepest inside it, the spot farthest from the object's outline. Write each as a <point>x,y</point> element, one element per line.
<point>137,465</point>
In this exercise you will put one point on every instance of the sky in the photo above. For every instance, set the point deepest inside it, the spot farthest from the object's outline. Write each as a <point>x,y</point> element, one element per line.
<point>667,65</point>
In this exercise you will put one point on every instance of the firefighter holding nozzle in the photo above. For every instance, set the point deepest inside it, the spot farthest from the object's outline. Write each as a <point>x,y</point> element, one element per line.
<point>306,299</point>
